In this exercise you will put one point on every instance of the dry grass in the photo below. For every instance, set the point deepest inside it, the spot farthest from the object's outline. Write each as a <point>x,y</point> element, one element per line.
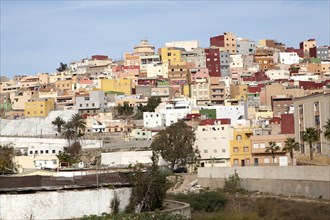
<point>321,160</point>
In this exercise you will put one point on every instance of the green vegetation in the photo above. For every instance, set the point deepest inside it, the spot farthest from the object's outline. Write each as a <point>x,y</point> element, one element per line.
<point>310,136</point>
<point>233,184</point>
<point>149,188</point>
<point>208,201</point>
<point>58,122</point>
<point>175,144</point>
<point>71,154</point>
<point>272,148</point>
<point>327,130</point>
<point>7,165</point>
<point>62,67</point>
<point>124,110</point>
<point>73,128</point>
<point>290,146</point>
<point>152,103</point>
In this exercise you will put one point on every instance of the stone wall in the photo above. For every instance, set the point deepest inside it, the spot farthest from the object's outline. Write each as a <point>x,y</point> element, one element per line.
<point>61,204</point>
<point>309,181</point>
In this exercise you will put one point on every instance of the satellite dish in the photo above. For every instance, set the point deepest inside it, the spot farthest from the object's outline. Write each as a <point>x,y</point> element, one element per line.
<point>81,165</point>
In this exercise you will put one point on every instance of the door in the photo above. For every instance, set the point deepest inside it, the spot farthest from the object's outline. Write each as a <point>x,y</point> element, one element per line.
<point>243,163</point>
<point>256,162</point>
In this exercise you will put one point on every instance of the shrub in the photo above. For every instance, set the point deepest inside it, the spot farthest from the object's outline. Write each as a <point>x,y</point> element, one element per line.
<point>209,201</point>
<point>233,184</point>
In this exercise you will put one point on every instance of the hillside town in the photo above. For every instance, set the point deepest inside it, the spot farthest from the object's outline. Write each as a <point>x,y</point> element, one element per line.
<point>249,104</point>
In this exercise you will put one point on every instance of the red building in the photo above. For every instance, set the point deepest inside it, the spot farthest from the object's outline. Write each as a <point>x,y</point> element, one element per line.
<point>217,41</point>
<point>212,56</point>
<point>287,124</point>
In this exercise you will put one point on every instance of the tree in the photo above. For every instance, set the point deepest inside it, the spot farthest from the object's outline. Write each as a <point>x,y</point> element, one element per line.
<point>290,146</point>
<point>327,130</point>
<point>74,149</point>
<point>59,122</point>
<point>149,187</point>
<point>310,136</point>
<point>175,144</point>
<point>124,110</point>
<point>78,123</point>
<point>272,148</point>
<point>68,132</point>
<point>152,103</point>
<point>6,159</point>
<point>62,67</point>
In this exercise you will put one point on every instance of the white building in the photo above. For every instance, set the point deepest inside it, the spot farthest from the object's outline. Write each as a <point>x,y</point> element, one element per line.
<point>187,45</point>
<point>288,57</point>
<point>213,143</point>
<point>168,113</point>
<point>236,61</point>
<point>236,113</point>
<point>278,74</point>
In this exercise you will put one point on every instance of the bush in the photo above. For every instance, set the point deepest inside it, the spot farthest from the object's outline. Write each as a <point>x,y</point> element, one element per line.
<point>208,201</point>
<point>233,184</point>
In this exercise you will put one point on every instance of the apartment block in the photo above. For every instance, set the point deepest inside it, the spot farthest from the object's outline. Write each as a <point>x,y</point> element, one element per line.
<point>39,107</point>
<point>240,147</point>
<point>321,52</point>
<point>225,42</point>
<point>245,46</point>
<point>312,111</point>
<point>307,45</point>
<point>213,61</point>
<point>93,102</point>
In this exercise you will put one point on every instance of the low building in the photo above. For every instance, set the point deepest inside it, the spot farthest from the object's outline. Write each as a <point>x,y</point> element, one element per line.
<point>259,143</point>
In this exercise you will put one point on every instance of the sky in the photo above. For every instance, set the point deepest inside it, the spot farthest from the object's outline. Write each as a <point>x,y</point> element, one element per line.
<point>37,35</point>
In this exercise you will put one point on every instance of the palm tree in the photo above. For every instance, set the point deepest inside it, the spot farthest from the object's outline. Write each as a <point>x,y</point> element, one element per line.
<point>69,132</point>
<point>290,146</point>
<point>327,130</point>
<point>59,122</point>
<point>310,135</point>
<point>272,148</point>
<point>78,122</point>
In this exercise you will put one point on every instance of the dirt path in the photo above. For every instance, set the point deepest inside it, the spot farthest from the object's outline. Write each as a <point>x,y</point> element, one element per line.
<point>183,182</point>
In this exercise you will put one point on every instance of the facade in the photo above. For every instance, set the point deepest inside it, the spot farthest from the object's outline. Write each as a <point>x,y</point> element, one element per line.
<point>282,104</point>
<point>272,44</point>
<point>186,45</point>
<point>170,54</point>
<point>212,141</point>
<point>196,56</point>
<point>212,56</point>
<point>289,58</point>
<point>312,111</point>
<point>278,74</point>
<point>321,52</point>
<point>144,48</point>
<point>226,42</point>
<point>240,147</point>
<point>258,148</point>
<point>217,91</point>
<point>19,98</point>
<point>306,45</point>
<point>117,85</point>
<point>224,63</point>
<point>91,103</point>
<point>39,107</point>
<point>245,46</point>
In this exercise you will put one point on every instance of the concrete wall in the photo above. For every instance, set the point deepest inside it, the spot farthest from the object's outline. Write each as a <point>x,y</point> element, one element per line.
<point>61,204</point>
<point>309,181</point>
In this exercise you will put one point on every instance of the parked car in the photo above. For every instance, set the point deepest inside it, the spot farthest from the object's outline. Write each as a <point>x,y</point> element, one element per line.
<point>180,170</point>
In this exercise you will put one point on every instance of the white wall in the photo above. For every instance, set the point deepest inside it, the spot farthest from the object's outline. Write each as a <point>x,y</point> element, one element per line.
<point>289,57</point>
<point>213,141</point>
<point>278,74</point>
<point>61,204</point>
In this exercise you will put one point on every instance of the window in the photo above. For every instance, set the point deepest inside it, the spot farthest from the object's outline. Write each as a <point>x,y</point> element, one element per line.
<point>31,152</point>
<point>238,137</point>
<point>80,105</point>
<point>246,149</point>
<point>46,151</point>
<point>41,152</point>
<point>266,160</point>
<point>205,151</point>
<point>53,151</point>
<point>255,146</point>
<point>223,150</point>
<point>262,145</point>
<point>235,161</point>
<point>93,104</point>
<point>41,112</point>
<point>235,149</point>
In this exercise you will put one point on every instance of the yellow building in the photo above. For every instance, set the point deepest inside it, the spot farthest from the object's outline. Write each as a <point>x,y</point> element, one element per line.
<point>240,147</point>
<point>238,92</point>
<point>39,107</point>
<point>170,54</point>
<point>117,85</point>
<point>64,85</point>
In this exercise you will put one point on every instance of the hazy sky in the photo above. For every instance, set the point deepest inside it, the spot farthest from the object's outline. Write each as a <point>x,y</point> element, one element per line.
<point>37,35</point>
